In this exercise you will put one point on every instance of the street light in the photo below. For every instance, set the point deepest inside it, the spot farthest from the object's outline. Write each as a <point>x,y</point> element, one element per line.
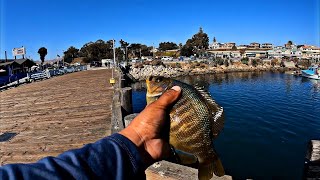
<point>112,81</point>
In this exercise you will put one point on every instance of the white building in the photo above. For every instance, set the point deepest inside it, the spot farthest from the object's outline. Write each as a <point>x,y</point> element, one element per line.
<point>215,44</point>
<point>310,52</point>
<point>267,45</point>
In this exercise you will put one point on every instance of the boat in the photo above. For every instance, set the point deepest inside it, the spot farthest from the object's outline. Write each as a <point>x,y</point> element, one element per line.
<point>313,72</point>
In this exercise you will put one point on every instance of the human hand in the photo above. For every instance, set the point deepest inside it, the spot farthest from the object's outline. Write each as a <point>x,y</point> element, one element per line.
<point>149,131</point>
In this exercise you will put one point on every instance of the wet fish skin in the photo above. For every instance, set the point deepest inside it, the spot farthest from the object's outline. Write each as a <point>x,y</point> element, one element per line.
<point>195,120</point>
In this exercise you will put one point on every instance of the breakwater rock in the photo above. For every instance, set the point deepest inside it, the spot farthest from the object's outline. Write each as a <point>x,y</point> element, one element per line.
<point>141,73</point>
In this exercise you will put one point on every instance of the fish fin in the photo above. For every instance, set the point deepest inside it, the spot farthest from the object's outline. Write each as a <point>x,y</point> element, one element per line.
<point>206,170</point>
<point>218,121</point>
<point>186,158</point>
<point>217,112</point>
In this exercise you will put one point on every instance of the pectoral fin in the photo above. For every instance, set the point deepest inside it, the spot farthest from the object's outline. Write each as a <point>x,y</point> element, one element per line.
<point>186,158</point>
<point>181,157</point>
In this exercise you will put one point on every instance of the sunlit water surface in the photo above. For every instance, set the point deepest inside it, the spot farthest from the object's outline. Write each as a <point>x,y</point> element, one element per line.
<point>270,118</point>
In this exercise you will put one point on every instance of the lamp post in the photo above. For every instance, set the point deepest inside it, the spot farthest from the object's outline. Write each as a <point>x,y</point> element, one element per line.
<point>112,81</point>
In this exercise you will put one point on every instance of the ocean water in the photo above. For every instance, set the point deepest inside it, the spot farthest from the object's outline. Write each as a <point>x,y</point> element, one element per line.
<point>270,118</point>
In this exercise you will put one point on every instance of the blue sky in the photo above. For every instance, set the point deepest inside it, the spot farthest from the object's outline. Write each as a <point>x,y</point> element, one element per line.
<point>58,24</point>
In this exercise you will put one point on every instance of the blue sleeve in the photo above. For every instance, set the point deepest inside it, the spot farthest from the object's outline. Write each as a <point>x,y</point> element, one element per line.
<point>113,157</point>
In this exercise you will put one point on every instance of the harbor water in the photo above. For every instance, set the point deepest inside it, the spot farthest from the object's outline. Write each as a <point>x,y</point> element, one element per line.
<point>270,118</point>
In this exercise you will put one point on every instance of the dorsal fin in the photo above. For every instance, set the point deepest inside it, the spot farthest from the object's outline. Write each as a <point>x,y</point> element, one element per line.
<point>217,111</point>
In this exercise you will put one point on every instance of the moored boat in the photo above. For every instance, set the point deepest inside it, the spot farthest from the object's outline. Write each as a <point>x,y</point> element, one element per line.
<point>313,72</point>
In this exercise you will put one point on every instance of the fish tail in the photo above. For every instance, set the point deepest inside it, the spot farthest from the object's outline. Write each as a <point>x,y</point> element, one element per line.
<point>218,168</point>
<point>206,170</point>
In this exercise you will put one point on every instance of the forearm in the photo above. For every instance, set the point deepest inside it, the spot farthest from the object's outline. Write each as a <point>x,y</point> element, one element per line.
<point>114,157</point>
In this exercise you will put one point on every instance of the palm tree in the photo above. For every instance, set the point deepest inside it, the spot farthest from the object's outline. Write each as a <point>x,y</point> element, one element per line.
<point>42,52</point>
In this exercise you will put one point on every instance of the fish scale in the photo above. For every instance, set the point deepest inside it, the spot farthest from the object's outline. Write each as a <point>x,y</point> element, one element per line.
<point>195,120</point>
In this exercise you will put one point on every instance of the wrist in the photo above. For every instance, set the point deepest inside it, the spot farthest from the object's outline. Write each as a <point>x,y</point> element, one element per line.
<point>139,140</point>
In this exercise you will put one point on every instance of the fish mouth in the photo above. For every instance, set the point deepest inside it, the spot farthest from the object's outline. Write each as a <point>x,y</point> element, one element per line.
<point>154,95</point>
<point>158,94</point>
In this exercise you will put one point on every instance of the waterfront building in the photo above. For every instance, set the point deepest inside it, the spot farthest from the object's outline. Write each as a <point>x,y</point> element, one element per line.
<point>254,45</point>
<point>310,52</point>
<point>14,69</point>
<point>242,46</point>
<point>215,44</point>
<point>222,53</point>
<point>256,53</point>
<point>267,46</point>
<point>228,45</point>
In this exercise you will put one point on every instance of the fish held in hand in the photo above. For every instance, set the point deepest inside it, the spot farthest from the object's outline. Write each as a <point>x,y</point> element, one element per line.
<point>195,120</point>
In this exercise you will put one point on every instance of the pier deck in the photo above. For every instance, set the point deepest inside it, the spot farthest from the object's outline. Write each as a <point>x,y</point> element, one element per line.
<point>55,115</point>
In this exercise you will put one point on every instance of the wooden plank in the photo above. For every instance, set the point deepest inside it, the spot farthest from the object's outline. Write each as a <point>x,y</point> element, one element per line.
<point>312,163</point>
<point>168,170</point>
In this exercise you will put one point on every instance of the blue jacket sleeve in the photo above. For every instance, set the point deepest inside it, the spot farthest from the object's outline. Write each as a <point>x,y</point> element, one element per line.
<point>113,157</point>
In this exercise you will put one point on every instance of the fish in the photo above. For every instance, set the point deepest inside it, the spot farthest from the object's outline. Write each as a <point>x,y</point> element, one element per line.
<point>195,121</point>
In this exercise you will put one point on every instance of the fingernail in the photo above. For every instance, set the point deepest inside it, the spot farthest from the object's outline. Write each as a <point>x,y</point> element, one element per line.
<point>176,88</point>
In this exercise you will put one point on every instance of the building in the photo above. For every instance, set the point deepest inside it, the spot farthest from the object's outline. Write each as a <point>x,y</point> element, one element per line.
<point>13,69</point>
<point>254,45</point>
<point>256,53</point>
<point>267,46</point>
<point>310,52</point>
<point>242,46</point>
<point>215,44</point>
<point>229,45</point>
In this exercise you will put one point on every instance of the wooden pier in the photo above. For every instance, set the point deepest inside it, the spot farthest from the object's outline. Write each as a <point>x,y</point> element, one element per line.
<point>55,115</point>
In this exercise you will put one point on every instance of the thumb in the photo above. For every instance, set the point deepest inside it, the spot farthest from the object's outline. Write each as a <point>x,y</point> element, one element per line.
<point>169,97</point>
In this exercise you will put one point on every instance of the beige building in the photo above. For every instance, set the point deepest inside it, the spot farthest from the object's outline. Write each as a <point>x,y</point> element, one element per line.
<point>267,46</point>
<point>228,53</point>
<point>228,45</point>
<point>254,45</point>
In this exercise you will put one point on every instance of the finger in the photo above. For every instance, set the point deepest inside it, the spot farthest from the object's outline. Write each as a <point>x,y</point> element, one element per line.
<point>169,97</point>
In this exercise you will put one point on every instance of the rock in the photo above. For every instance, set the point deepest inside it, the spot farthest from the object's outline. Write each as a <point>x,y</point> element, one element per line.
<point>129,118</point>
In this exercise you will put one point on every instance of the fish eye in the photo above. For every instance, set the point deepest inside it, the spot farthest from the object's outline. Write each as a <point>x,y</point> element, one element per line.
<point>159,79</point>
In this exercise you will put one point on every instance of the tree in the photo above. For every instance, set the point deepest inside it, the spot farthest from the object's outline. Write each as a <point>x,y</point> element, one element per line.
<point>254,62</point>
<point>164,46</point>
<point>289,44</point>
<point>196,45</point>
<point>234,48</point>
<point>187,49</point>
<point>42,52</point>
<point>70,54</point>
<point>245,60</point>
<point>200,40</point>
<point>124,46</point>
<point>98,50</point>
<point>119,54</point>
<point>138,50</point>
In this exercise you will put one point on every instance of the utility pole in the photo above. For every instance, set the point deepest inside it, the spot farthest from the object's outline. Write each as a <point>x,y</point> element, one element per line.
<point>114,52</point>
<point>5,56</point>
<point>114,61</point>
<point>152,50</point>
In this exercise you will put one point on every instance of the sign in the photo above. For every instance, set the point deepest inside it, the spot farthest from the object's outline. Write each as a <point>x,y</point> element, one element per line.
<point>19,51</point>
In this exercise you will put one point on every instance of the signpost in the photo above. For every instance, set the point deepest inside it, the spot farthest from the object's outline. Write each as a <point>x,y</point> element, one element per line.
<point>19,51</point>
